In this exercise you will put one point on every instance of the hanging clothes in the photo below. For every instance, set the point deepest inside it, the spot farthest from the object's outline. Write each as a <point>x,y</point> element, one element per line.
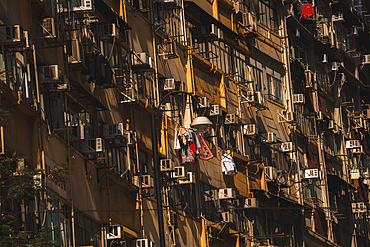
<point>228,165</point>
<point>307,12</point>
<point>205,152</point>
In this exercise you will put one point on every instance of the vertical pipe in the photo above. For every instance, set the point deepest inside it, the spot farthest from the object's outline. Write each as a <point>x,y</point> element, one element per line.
<point>157,179</point>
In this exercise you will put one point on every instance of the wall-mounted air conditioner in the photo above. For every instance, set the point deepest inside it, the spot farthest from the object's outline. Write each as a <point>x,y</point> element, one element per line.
<point>216,110</point>
<point>298,98</point>
<point>220,33</point>
<point>249,21</point>
<point>144,242</point>
<point>287,147</point>
<point>337,17</point>
<point>50,74</point>
<point>167,165</point>
<point>209,30</point>
<point>210,195</point>
<point>79,132</point>
<point>335,66</point>
<point>114,232</point>
<point>94,145</point>
<point>331,125</point>
<point>64,85</point>
<point>146,181</point>
<point>250,129</point>
<point>49,28</point>
<point>228,193</point>
<point>169,84</point>
<point>114,130</point>
<point>250,203</point>
<point>108,31</point>
<point>231,119</point>
<point>359,207</point>
<point>258,98</point>
<point>352,144</point>
<point>270,173</point>
<point>10,35</point>
<point>270,137</point>
<point>180,172</point>
<point>130,138</point>
<point>204,102</point>
<point>141,59</point>
<point>320,116</point>
<point>352,31</point>
<point>190,178</point>
<point>366,59</point>
<point>358,150</point>
<point>322,58</point>
<point>309,76</point>
<point>366,113</point>
<point>227,217</point>
<point>27,39</point>
<point>312,174</point>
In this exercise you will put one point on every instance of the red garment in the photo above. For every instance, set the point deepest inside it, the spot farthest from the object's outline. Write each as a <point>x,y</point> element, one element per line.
<point>192,147</point>
<point>307,11</point>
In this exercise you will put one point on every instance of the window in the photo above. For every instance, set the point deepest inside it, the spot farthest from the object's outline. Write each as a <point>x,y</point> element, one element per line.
<point>268,14</point>
<point>257,75</point>
<point>274,87</point>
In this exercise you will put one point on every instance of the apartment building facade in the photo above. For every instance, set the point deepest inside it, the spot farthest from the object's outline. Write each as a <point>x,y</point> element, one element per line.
<point>284,85</point>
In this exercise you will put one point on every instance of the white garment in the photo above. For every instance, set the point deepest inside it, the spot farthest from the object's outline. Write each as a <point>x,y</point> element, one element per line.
<point>227,164</point>
<point>176,144</point>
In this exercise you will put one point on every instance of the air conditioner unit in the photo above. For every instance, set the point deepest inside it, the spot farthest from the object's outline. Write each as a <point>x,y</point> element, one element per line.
<point>366,113</point>
<point>270,137</point>
<point>48,28</point>
<point>114,130</point>
<point>337,17</point>
<point>80,132</point>
<point>147,181</point>
<point>258,98</point>
<point>190,179</point>
<point>290,117</point>
<point>220,33</point>
<point>74,51</point>
<point>324,29</point>
<point>114,232</point>
<point>358,150</point>
<point>209,30</point>
<point>108,31</point>
<point>352,144</point>
<point>231,119</point>
<point>50,74</point>
<point>335,66</point>
<point>250,129</point>
<point>312,174</point>
<point>180,172</point>
<point>359,122</point>
<point>94,145</point>
<point>169,84</point>
<point>322,58</point>
<point>64,85</point>
<point>11,34</point>
<point>130,138</point>
<point>216,110</point>
<point>352,31</point>
<point>251,203</point>
<point>298,98</point>
<point>86,5</point>
<point>210,195</point>
<point>309,76</point>
<point>366,59</point>
<point>227,217</point>
<point>167,165</point>
<point>27,39</point>
<point>249,20</point>
<point>270,173</point>
<point>204,102</point>
<point>287,147</point>
<point>331,124</point>
<point>320,116</point>
<point>142,59</point>
<point>359,207</point>
<point>144,242</point>
<point>228,193</point>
